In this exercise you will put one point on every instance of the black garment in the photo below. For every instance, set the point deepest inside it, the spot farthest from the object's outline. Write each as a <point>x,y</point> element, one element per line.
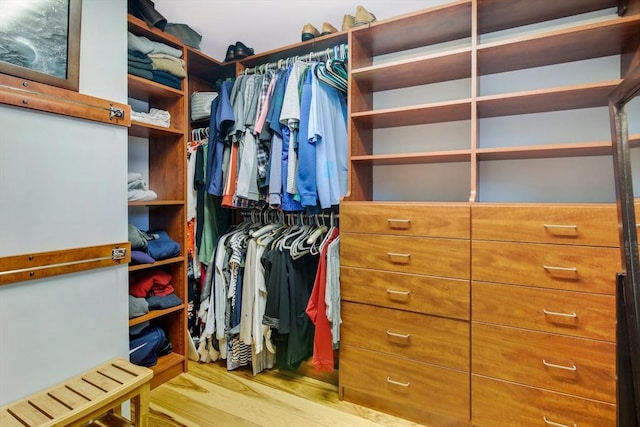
<point>272,272</point>
<point>193,291</point>
<point>289,284</point>
<point>146,10</point>
<point>301,275</point>
<point>199,186</point>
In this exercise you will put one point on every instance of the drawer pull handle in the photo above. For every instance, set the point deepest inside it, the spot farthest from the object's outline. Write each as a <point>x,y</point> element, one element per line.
<point>555,313</point>
<point>401,258</point>
<point>553,365</point>
<point>390,381</point>
<point>399,223</point>
<point>551,423</point>
<point>571,226</point>
<point>397,335</point>
<point>553,268</point>
<point>403,293</point>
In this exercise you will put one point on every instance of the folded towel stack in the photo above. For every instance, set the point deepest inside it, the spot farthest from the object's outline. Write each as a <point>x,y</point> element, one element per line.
<point>138,190</point>
<point>155,116</point>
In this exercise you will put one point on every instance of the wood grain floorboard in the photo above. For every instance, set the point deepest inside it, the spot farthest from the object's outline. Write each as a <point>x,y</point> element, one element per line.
<point>210,396</point>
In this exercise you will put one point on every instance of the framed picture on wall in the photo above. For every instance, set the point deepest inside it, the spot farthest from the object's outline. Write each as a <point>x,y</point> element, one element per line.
<point>40,41</point>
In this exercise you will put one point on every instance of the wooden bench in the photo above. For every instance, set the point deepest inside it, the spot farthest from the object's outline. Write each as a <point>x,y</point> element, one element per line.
<point>91,399</point>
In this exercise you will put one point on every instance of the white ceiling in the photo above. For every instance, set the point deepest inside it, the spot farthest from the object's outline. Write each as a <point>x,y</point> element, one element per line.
<point>270,24</point>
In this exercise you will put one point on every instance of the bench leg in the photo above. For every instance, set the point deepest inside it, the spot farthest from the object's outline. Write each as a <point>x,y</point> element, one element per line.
<point>141,406</point>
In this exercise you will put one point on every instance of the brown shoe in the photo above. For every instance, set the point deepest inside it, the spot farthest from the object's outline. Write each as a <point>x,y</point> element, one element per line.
<point>328,29</point>
<point>347,22</point>
<point>309,32</point>
<point>363,17</point>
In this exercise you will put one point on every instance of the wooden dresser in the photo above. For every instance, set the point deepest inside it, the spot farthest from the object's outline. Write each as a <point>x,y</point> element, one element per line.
<point>405,309</point>
<point>543,317</point>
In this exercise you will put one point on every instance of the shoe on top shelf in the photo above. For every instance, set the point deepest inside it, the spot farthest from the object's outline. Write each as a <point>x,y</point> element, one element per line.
<point>231,53</point>
<point>348,22</point>
<point>309,32</point>
<point>328,29</point>
<point>242,51</point>
<point>363,17</point>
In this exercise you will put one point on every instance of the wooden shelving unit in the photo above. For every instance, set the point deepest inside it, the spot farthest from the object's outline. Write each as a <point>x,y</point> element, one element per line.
<point>525,254</point>
<point>458,54</point>
<point>166,157</point>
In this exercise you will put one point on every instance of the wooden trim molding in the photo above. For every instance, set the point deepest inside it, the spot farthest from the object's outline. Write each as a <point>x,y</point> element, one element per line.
<point>20,268</point>
<point>38,96</point>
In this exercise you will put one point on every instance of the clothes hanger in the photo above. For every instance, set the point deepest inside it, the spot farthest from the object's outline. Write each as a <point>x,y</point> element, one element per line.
<point>330,232</point>
<point>296,231</point>
<point>317,232</point>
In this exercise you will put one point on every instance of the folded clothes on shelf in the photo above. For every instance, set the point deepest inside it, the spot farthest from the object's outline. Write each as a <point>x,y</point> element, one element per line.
<point>150,282</point>
<point>137,307</point>
<point>138,189</point>
<point>155,116</point>
<point>160,302</point>
<point>144,45</point>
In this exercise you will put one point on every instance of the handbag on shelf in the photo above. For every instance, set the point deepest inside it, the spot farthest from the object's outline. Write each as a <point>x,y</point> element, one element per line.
<point>201,105</point>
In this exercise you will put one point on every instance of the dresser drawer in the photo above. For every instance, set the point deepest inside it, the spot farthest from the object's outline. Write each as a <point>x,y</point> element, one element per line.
<point>431,339</point>
<point>575,268</point>
<point>434,220</point>
<point>410,292</point>
<point>499,403</point>
<point>549,310</point>
<point>576,366</point>
<point>424,393</point>
<point>422,255</point>
<point>585,224</point>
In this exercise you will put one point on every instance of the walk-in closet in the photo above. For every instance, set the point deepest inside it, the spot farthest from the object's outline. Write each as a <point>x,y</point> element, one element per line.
<point>411,213</point>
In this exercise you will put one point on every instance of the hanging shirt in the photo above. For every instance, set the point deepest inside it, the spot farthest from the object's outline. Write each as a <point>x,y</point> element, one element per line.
<point>289,203</point>
<point>306,178</point>
<point>332,295</point>
<point>275,173</point>
<point>219,125</point>
<point>290,116</point>
<point>317,311</point>
<point>328,129</point>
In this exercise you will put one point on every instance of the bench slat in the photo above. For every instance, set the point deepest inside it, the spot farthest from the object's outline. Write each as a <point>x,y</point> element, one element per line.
<point>49,406</point>
<point>111,420</point>
<point>8,420</point>
<point>85,389</point>
<point>130,367</point>
<point>100,381</point>
<point>68,397</point>
<point>116,374</point>
<point>28,414</point>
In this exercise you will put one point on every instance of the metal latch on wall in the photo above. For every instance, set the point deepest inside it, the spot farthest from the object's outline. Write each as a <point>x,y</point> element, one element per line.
<point>114,112</point>
<point>118,253</point>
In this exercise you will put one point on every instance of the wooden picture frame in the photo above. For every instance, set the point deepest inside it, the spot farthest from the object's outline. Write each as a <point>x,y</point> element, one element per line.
<point>40,41</point>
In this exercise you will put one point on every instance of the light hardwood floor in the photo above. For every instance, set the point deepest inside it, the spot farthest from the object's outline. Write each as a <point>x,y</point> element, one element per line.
<point>210,396</point>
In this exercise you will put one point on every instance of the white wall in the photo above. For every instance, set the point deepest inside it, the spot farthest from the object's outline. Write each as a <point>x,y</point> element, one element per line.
<point>270,24</point>
<point>63,185</point>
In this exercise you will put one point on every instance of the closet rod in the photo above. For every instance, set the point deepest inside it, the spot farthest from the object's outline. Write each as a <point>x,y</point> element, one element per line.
<point>20,268</point>
<point>338,51</point>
